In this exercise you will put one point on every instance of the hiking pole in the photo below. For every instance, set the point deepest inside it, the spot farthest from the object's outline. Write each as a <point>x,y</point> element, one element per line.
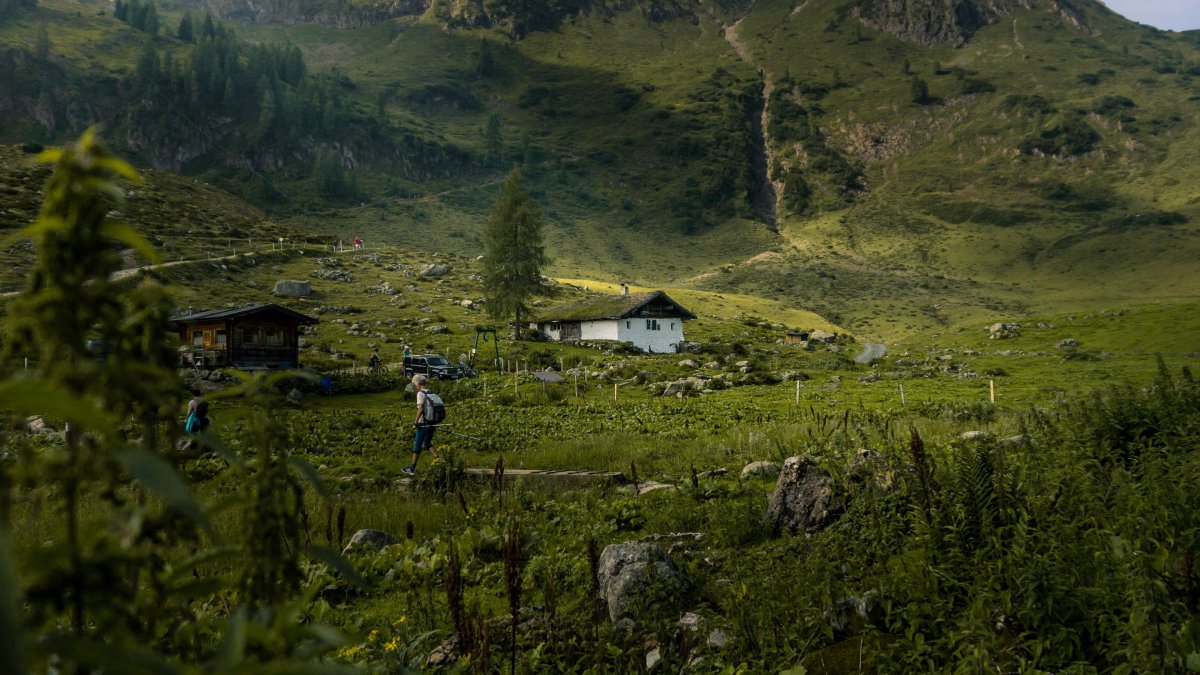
<point>438,426</point>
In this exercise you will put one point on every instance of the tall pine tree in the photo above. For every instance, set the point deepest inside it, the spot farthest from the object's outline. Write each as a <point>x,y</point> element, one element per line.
<point>513,254</point>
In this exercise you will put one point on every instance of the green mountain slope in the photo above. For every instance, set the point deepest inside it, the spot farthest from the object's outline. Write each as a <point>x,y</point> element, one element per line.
<point>890,163</point>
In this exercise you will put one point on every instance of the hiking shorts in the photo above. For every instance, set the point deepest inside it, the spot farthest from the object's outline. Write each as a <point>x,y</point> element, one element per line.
<point>424,440</point>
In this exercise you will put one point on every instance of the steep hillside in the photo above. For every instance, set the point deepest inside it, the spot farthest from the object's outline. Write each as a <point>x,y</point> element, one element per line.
<point>894,164</point>
<point>182,217</point>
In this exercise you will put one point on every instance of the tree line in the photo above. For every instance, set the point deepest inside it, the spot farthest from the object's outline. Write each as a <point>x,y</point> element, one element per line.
<point>10,8</point>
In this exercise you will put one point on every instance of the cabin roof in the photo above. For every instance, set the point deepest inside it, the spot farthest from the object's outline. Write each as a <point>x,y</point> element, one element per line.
<point>613,307</point>
<point>241,312</point>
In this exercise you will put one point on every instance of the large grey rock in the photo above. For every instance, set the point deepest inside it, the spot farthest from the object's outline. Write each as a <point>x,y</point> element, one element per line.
<point>293,288</point>
<point>637,575</point>
<point>1002,331</point>
<point>295,395</point>
<point>368,539</point>
<point>804,498</point>
<point>822,336</point>
<point>760,469</point>
<point>434,270</point>
<point>674,388</point>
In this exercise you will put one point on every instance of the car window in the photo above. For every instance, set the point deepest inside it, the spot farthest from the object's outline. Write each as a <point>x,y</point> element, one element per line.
<point>438,361</point>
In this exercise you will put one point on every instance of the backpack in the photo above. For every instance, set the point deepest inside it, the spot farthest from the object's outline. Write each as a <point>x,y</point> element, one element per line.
<point>435,409</point>
<point>197,421</point>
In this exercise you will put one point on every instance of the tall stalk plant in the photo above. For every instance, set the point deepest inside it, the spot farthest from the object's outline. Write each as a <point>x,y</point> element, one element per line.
<point>120,588</point>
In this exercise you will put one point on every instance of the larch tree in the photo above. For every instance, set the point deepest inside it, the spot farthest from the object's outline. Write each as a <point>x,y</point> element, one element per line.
<point>513,252</point>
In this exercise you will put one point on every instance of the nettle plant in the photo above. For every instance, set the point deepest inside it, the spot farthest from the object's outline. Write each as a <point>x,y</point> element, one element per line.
<point>137,575</point>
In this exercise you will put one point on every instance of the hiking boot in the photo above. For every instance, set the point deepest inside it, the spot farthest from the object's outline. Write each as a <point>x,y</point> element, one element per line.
<point>408,471</point>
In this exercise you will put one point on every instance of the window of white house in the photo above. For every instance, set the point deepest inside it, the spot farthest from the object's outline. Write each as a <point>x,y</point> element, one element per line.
<point>222,339</point>
<point>647,324</point>
<point>197,338</point>
<point>672,325</point>
<point>652,324</point>
<point>627,324</point>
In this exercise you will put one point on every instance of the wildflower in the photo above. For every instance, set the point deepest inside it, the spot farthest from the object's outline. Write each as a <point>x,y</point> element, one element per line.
<point>398,622</point>
<point>392,645</point>
<point>372,635</point>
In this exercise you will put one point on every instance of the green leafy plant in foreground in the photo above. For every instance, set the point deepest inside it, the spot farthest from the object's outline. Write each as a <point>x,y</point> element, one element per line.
<point>135,577</point>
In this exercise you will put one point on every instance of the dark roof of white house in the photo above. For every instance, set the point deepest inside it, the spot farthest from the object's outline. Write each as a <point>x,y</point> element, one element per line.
<point>616,307</point>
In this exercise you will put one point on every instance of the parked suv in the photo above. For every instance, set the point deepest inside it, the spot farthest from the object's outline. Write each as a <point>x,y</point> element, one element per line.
<point>430,365</point>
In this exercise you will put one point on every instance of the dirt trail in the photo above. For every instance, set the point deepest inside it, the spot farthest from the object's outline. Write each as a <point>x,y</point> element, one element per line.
<point>766,197</point>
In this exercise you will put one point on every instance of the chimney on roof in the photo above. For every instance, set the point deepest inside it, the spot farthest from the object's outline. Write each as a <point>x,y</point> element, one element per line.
<point>624,289</point>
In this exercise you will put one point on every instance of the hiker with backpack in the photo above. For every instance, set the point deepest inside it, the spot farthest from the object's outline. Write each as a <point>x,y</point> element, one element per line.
<point>431,410</point>
<point>197,414</point>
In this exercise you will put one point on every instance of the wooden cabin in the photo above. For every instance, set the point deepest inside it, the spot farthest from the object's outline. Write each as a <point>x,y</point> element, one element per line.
<point>254,337</point>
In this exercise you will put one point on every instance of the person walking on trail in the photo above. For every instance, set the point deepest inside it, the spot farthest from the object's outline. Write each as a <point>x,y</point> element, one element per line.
<point>428,405</point>
<point>375,360</point>
<point>197,414</point>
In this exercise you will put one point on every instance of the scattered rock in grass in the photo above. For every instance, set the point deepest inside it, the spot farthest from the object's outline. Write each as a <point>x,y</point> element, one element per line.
<point>1068,343</point>
<point>760,468</point>
<point>333,275</point>
<point>295,395</point>
<point>804,498</point>
<point>1003,331</point>
<point>293,288</point>
<point>438,330</point>
<point>822,336</point>
<point>712,365</point>
<point>744,366</point>
<point>1012,442</point>
<point>674,541</point>
<point>651,486</point>
<point>434,270</point>
<point>687,363</point>
<point>872,468</point>
<point>652,658</point>
<point>368,539</point>
<point>974,435</point>
<point>637,576</point>
<point>717,638</point>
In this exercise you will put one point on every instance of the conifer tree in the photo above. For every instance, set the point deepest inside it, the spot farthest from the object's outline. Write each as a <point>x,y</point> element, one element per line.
<point>513,252</point>
<point>185,32</point>
<point>494,147</point>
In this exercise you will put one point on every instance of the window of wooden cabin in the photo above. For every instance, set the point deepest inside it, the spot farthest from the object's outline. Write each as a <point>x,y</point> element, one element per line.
<point>222,338</point>
<point>249,336</point>
<point>274,339</point>
<point>197,338</point>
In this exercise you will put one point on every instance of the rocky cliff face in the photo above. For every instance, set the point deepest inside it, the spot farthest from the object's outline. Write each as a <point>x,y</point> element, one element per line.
<point>953,22</point>
<point>341,13</point>
<point>518,18</point>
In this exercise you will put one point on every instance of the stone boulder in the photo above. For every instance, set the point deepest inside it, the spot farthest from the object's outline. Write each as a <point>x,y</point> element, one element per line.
<point>1003,331</point>
<point>804,499</point>
<point>293,288</point>
<point>822,336</point>
<point>295,395</point>
<point>368,539</point>
<point>434,270</point>
<point>687,363</point>
<point>638,575</point>
<point>872,468</point>
<point>768,469</point>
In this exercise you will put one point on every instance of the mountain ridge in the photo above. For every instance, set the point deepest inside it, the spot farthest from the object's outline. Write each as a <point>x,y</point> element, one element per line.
<point>653,144</point>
